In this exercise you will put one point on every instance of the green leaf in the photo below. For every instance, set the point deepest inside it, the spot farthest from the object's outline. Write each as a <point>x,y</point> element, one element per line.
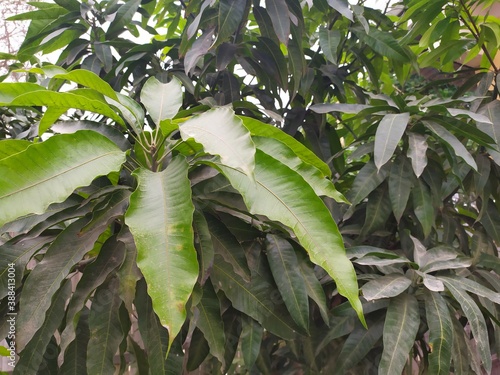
<point>230,16</point>
<point>400,185</point>
<point>284,265</point>
<point>227,246</point>
<point>162,100</point>
<point>50,171</point>
<point>339,326</point>
<point>384,44</point>
<point>65,100</point>
<point>385,287</point>
<point>258,128</point>
<point>478,117</point>
<point>273,193</point>
<point>341,6</point>
<point>9,91</point>
<point>122,18</point>
<point>389,132</point>
<point>272,50</point>
<point>43,281</point>
<point>400,329</point>
<point>312,175</point>
<point>313,286</point>
<point>365,182</point>
<point>491,221</point>
<point>440,333</point>
<point>10,147</point>
<point>329,41</point>
<point>75,356</point>
<point>105,329</point>
<point>203,244</point>
<point>476,322</point>
<point>160,218</point>
<point>210,322</point>
<point>492,128</point>
<point>89,79</point>
<point>32,355</point>
<point>250,341</point>
<point>339,107</point>
<point>257,299</point>
<point>278,12</point>
<point>452,142</point>
<point>378,210</point>
<point>472,287</point>
<point>50,116</point>
<point>417,152</point>
<point>422,205</point>
<point>222,133</point>
<point>357,346</point>
<point>459,351</point>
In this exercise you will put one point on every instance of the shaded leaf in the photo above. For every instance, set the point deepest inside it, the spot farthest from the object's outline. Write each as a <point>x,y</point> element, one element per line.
<point>400,185</point>
<point>204,245</point>
<point>338,107</point>
<point>199,48</point>
<point>230,16</point>
<point>75,356</point>
<point>341,6</point>
<point>459,351</point>
<point>278,12</point>
<point>250,341</point>
<point>378,210</point>
<point>385,287</point>
<point>222,133</point>
<point>284,265</point>
<point>383,43</point>
<point>160,218</point>
<point>49,171</point>
<point>422,205</point>
<point>389,132</point>
<point>400,329</point>
<point>472,287</point>
<point>367,180</point>
<point>329,41</point>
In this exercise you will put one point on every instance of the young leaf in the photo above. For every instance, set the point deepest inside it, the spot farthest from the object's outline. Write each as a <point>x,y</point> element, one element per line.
<point>222,133</point>
<point>160,218</point>
<point>400,329</point>
<point>284,266</point>
<point>105,329</point>
<point>274,194</point>
<point>389,132</point>
<point>440,333</point>
<point>385,287</point>
<point>50,171</point>
<point>162,100</point>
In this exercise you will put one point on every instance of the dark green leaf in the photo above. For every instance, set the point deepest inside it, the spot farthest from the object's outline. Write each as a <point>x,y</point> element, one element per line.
<point>250,341</point>
<point>422,204</point>
<point>329,41</point>
<point>75,356</point>
<point>230,16</point>
<point>278,12</point>
<point>204,245</point>
<point>389,132</point>
<point>385,287</point>
<point>400,185</point>
<point>384,44</point>
<point>365,182</point>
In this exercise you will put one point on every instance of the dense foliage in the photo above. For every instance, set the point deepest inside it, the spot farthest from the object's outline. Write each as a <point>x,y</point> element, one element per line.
<point>207,186</point>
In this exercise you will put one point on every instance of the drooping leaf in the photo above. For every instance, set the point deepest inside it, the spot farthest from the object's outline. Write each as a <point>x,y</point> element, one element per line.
<point>385,287</point>
<point>389,132</point>
<point>341,6</point>
<point>230,16</point>
<point>400,184</point>
<point>459,351</point>
<point>271,51</point>
<point>452,141</point>
<point>160,218</point>
<point>473,115</point>
<point>105,329</point>
<point>329,41</point>
<point>222,133</point>
<point>75,356</point>
<point>278,12</point>
<point>440,333</point>
<point>476,321</point>
<point>257,299</point>
<point>491,221</point>
<point>357,346</point>
<point>311,174</point>
<point>33,352</point>
<point>284,265</point>
<point>400,329</point>
<point>162,100</point>
<point>49,171</point>
<point>273,193</point>
<point>88,79</point>
<point>258,128</point>
<point>417,152</point>
<point>250,341</point>
<point>210,322</point>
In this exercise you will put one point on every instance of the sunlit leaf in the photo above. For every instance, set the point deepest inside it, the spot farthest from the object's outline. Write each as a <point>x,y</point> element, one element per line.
<point>162,100</point>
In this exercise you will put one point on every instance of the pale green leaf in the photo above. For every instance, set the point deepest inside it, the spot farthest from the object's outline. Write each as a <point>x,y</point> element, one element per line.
<point>400,330</point>
<point>476,321</point>
<point>10,147</point>
<point>105,329</point>
<point>11,90</point>
<point>389,132</point>
<point>475,116</point>
<point>452,141</point>
<point>385,287</point>
<point>440,333</point>
<point>274,193</point>
<point>222,133</point>
<point>258,128</point>
<point>284,265</point>
<point>417,152</point>
<point>162,100</point>
<point>50,171</point>
<point>160,218</point>
<point>89,79</point>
